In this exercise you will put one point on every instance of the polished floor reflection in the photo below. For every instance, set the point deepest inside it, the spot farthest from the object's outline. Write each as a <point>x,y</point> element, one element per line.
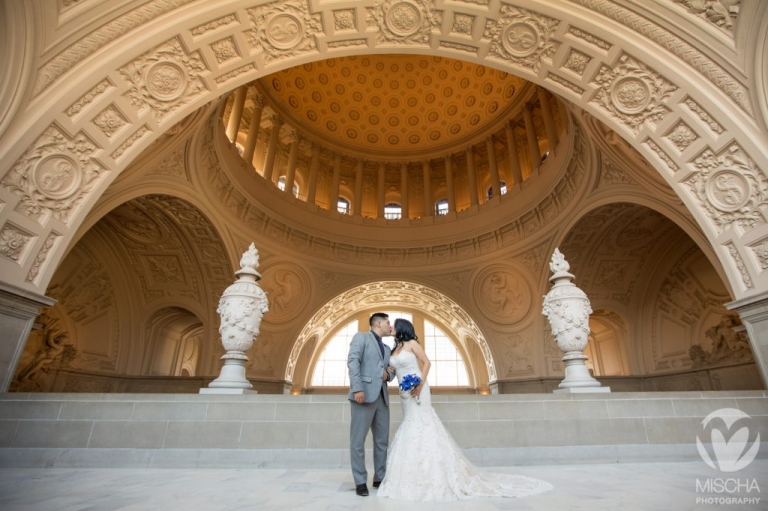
<point>623,486</point>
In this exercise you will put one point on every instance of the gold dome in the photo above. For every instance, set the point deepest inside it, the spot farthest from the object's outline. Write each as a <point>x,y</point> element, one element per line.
<point>392,103</point>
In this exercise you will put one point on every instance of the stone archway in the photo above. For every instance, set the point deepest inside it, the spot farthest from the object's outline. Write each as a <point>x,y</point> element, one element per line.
<point>682,98</point>
<point>390,294</point>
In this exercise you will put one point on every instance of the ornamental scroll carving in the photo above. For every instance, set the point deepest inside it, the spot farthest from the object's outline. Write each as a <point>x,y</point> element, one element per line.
<point>730,188</point>
<point>522,36</point>
<point>633,93</point>
<point>54,175</point>
<point>721,13</point>
<point>165,78</point>
<point>403,21</point>
<point>283,30</point>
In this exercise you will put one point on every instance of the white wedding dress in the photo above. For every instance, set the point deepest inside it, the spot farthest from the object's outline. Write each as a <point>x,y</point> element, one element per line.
<point>425,463</point>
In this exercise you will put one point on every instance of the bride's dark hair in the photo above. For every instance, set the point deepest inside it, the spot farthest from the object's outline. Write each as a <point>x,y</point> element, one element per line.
<point>404,332</point>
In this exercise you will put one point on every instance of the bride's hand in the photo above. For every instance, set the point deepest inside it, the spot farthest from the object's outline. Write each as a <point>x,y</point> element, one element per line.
<point>417,390</point>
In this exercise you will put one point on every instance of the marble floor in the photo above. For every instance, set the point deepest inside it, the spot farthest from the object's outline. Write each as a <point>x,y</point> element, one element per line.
<point>625,487</point>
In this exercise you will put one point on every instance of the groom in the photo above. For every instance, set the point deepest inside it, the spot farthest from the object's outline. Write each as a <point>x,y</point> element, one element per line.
<point>367,361</point>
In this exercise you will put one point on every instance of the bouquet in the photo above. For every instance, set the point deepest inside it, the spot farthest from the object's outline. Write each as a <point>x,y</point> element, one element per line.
<point>409,382</point>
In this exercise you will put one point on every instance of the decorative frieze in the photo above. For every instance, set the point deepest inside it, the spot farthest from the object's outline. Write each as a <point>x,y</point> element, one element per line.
<point>88,45</point>
<point>688,53</point>
<point>521,36</point>
<point>703,115</point>
<point>746,279</point>
<point>213,25</point>
<point>632,93</point>
<point>760,251</point>
<point>42,255</point>
<point>662,155</point>
<point>565,83</point>
<point>729,187</point>
<point>54,175</point>
<point>138,134</point>
<point>589,38</point>
<point>721,13</point>
<point>164,78</point>
<point>235,73</point>
<point>457,46</point>
<point>81,103</point>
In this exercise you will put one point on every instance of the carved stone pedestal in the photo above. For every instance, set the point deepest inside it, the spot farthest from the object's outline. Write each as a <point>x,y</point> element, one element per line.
<point>241,308</point>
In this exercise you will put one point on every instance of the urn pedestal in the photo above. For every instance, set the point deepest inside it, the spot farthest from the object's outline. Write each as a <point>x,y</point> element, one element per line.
<point>241,308</point>
<point>567,308</point>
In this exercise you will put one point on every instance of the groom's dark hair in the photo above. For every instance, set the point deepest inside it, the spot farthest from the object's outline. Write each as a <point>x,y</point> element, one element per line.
<point>377,316</point>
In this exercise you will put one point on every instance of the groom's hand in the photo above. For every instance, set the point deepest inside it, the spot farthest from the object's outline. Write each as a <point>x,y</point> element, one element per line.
<point>385,377</point>
<point>360,397</point>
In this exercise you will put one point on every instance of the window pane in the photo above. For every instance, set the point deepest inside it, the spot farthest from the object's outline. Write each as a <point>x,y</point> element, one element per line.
<point>392,211</point>
<point>331,367</point>
<point>448,368</point>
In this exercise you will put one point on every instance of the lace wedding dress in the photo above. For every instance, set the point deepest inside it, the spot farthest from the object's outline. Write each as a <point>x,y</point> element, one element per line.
<point>425,463</point>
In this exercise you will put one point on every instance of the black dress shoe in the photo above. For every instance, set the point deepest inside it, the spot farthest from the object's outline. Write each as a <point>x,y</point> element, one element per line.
<point>376,484</point>
<point>361,490</point>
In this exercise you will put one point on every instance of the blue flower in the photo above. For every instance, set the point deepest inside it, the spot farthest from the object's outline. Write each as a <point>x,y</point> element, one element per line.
<point>409,382</point>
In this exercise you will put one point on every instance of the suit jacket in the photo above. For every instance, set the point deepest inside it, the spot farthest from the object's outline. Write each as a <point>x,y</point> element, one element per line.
<point>366,367</point>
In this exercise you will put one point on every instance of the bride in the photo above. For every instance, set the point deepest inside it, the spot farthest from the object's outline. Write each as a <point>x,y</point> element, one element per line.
<point>424,462</point>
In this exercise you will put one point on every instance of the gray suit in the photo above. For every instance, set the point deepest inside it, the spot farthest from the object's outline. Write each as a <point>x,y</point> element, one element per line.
<point>366,367</point>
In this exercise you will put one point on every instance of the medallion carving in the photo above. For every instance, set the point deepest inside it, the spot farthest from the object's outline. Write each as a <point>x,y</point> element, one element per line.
<point>681,136</point>
<point>164,78</point>
<point>632,93</point>
<point>730,188</point>
<point>462,24</point>
<point>109,121</point>
<point>344,19</point>
<point>225,50</point>
<point>522,36</point>
<point>288,288</point>
<point>502,294</point>
<point>577,62</point>
<point>284,29</point>
<point>13,242</point>
<point>54,175</point>
<point>403,21</point>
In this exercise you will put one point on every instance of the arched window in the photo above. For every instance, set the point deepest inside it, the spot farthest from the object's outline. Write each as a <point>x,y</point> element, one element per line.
<point>502,186</point>
<point>281,185</point>
<point>441,207</point>
<point>448,367</point>
<point>342,206</point>
<point>331,367</point>
<point>392,211</point>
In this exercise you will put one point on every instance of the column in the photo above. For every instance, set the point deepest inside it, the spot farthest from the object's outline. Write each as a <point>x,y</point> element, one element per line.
<point>429,206</point>
<point>292,160</point>
<point>18,310</point>
<point>514,158</point>
<point>404,190</point>
<point>333,200</point>
<point>274,138</point>
<point>313,168</point>
<point>471,174</point>
<point>253,128</point>
<point>493,167</point>
<point>380,191</point>
<point>233,126</point>
<point>449,183</point>
<point>530,132</point>
<point>549,119</point>
<point>358,206</point>
<point>754,316</point>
